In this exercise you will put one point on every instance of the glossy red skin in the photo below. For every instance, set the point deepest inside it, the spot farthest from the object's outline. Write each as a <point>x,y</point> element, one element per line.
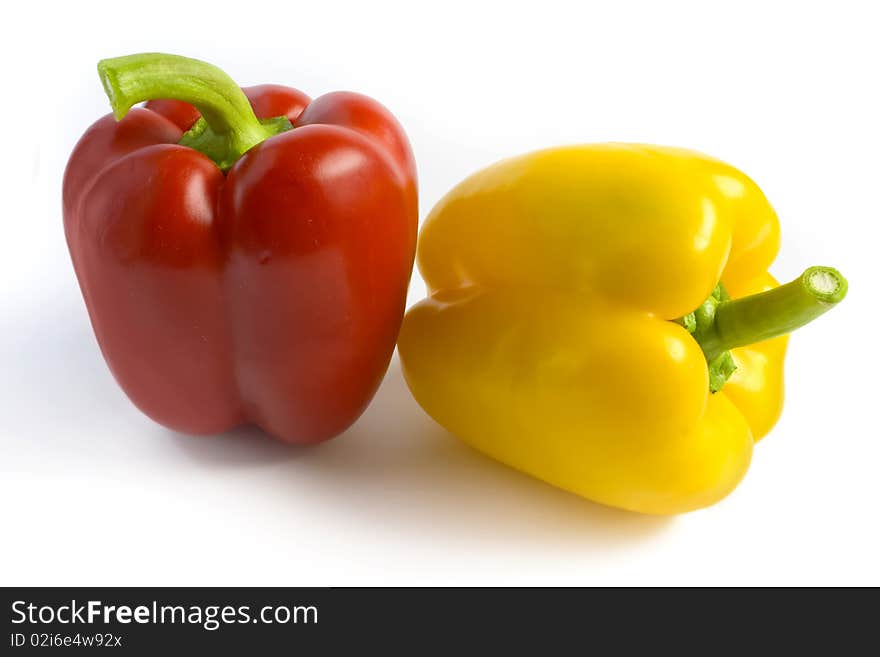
<point>181,114</point>
<point>272,295</point>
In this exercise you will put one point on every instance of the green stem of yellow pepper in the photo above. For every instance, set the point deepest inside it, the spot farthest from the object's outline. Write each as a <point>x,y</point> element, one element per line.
<point>721,323</point>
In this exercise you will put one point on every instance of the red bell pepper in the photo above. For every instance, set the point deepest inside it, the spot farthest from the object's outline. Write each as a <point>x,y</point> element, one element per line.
<point>253,269</point>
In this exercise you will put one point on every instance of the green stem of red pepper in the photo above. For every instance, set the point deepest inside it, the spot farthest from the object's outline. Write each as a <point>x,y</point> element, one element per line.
<point>721,323</point>
<point>228,127</point>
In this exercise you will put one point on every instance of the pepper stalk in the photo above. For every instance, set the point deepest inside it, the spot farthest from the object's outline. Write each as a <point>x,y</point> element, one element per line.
<point>228,127</point>
<point>722,323</point>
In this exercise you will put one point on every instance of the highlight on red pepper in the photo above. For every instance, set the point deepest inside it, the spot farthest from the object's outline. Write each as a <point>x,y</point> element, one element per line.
<point>244,254</point>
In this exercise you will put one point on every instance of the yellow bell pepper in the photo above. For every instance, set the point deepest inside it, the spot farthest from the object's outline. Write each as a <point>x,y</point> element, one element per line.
<point>577,331</point>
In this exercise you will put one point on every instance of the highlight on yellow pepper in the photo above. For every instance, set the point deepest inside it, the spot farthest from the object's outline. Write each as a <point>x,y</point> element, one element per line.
<point>601,317</point>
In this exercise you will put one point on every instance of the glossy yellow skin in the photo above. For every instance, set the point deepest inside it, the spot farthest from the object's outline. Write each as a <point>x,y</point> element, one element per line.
<point>545,342</point>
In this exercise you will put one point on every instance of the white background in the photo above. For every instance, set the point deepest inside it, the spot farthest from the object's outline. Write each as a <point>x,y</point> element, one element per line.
<point>91,492</point>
